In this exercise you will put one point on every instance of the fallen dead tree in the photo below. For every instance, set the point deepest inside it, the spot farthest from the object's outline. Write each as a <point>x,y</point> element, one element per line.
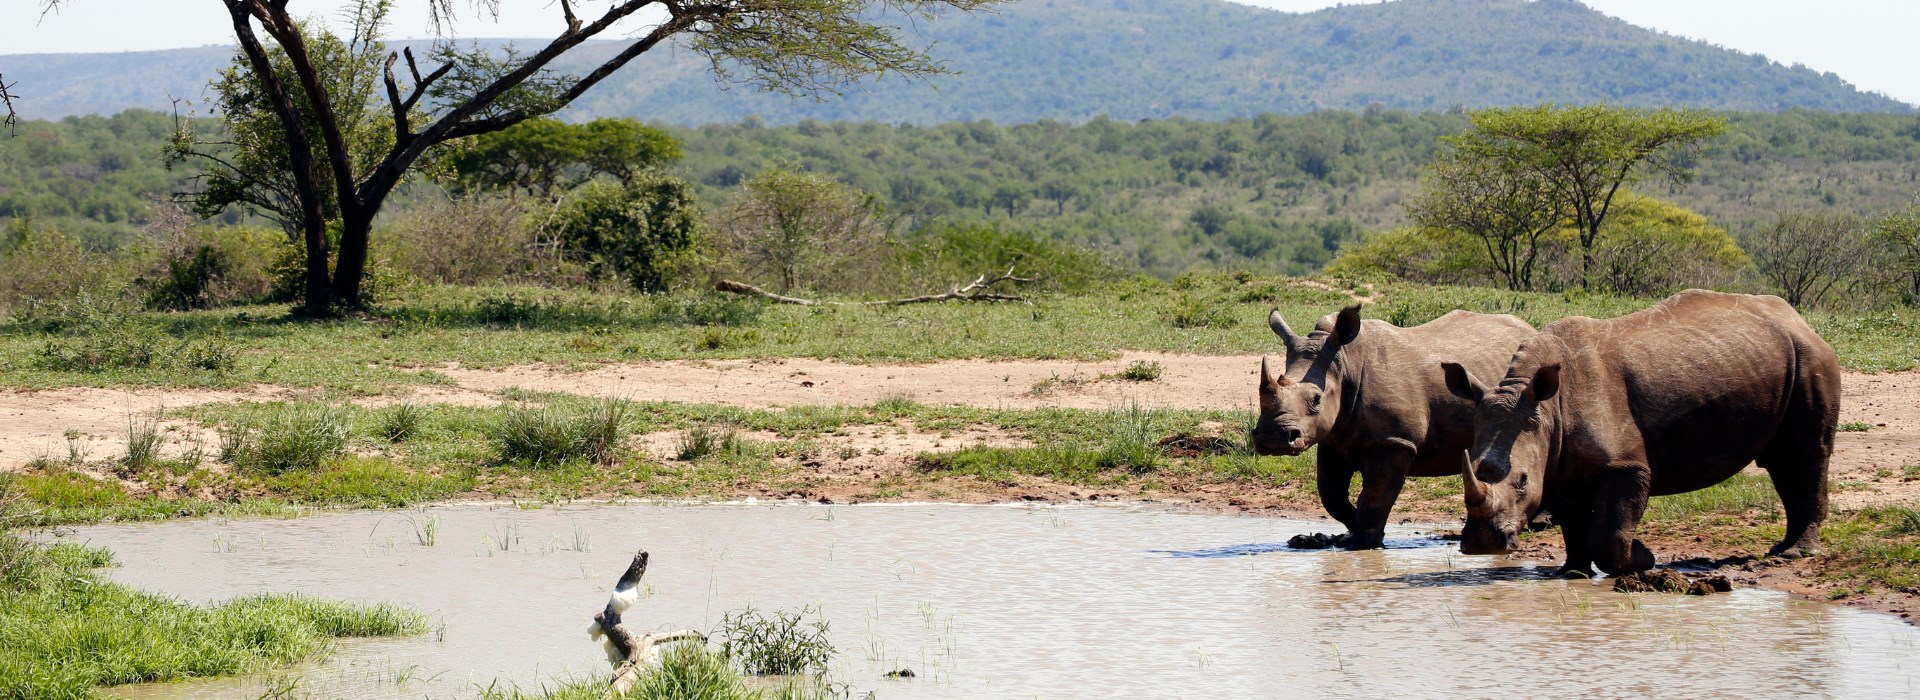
<point>631,654</point>
<point>980,290</point>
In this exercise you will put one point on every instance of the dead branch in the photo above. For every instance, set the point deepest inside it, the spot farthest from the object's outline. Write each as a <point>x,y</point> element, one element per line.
<point>6,96</point>
<point>630,654</point>
<point>978,291</point>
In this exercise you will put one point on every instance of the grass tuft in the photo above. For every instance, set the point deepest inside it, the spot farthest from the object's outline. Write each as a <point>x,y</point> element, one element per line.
<point>295,437</point>
<point>1140,371</point>
<point>778,644</point>
<point>548,435</point>
<point>403,421</point>
<point>143,442</point>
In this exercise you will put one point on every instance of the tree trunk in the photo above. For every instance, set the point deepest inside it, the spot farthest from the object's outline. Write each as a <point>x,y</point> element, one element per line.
<point>351,270</point>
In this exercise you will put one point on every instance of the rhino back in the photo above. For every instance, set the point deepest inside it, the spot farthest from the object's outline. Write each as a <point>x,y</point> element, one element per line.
<point>1698,383</point>
<point>1404,393</point>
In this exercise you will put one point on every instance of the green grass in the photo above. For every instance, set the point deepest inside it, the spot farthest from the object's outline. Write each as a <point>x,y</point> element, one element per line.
<point>1855,427</point>
<point>423,328</point>
<point>1739,496</point>
<point>65,630</point>
<point>552,434</point>
<point>1877,547</point>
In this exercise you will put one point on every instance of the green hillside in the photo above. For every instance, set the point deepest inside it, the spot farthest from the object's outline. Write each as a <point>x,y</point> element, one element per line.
<point>1276,193</point>
<point>1072,60</point>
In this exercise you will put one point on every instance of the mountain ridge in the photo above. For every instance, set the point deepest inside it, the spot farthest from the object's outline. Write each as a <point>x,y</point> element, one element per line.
<point>1072,60</point>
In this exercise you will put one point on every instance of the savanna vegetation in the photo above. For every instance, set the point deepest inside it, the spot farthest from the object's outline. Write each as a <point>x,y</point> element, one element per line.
<point>354,268</point>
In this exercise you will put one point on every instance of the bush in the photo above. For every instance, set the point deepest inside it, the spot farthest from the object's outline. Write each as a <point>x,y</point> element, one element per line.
<point>950,253</point>
<point>549,435</point>
<point>778,644</point>
<point>43,269</point>
<point>645,232</point>
<point>472,241</point>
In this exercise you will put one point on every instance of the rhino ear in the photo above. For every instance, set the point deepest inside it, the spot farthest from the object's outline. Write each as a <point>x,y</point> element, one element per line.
<point>1461,382</point>
<point>1346,327</point>
<point>1546,382</point>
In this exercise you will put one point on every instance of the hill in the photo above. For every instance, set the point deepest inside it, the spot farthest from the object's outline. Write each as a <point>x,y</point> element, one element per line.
<point>1072,60</point>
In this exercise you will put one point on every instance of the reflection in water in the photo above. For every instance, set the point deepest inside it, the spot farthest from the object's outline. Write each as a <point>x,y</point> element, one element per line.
<point>1008,602</point>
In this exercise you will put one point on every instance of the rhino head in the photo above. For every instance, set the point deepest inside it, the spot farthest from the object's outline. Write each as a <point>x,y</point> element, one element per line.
<point>1299,406</point>
<point>1504,473</point>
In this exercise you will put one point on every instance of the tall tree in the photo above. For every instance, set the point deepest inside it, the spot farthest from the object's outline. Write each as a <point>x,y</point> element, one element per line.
<point>1588,154</point>
<point>1508,210</point>
<point>799,46</point>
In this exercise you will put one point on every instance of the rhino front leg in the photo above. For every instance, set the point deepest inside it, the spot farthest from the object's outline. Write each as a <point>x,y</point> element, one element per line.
<point>1575,518</point>
<point>1383,471</point>
<point>1333,476</point>
<point>1620,498</point>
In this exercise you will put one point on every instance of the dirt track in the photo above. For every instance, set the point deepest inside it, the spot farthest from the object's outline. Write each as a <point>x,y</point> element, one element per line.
<point>1868,464</point>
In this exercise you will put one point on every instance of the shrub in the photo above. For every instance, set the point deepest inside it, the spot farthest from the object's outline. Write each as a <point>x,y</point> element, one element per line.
<point>41,268</point>
<point>548,435</point>
<point>1196,311</point>
<point>644,232</point>
<point>470,241</point>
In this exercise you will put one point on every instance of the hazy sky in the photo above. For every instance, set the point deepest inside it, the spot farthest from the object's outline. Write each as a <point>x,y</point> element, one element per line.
<point>1867,42</point>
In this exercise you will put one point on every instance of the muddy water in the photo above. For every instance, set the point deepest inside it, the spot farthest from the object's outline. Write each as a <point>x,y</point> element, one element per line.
<point>1008,602</point>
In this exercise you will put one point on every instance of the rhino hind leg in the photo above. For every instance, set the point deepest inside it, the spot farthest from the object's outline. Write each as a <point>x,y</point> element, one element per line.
<point>1799,473</point>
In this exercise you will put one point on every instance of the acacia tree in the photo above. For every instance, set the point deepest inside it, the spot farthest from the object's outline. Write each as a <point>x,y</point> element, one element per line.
<point>1508,210</point>
<point>784,223</point>
<point>1807,254</point>
<point>1899,233</point>
<point>1586,155</point>
<point>544,155</point>
<point>800,46</point>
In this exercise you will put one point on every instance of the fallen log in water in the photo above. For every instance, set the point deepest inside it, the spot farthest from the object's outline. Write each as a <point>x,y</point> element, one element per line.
<point>631,654</point>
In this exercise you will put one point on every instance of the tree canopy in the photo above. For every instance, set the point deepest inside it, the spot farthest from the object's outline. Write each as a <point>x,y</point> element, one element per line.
<point>1585,155</point>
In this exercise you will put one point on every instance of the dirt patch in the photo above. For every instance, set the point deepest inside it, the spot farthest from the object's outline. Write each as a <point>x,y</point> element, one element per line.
<point>1186,381</point>
<point>92,424</point>
<point>1882,462</point>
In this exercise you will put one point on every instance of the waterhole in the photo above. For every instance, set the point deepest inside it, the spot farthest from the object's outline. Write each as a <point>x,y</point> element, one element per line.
<point>1003,601</point>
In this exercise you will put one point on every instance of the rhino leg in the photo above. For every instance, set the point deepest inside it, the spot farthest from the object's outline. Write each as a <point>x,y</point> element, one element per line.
<point>1798,465</point>
<point>1332,478</point>
<point>1383,471</point>
<point>1620,498</point>
<point>1576,526</point>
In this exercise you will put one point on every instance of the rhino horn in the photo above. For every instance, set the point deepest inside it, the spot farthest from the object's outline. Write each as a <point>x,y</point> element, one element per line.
<point>1279,326</point>
<point>1476,491</point>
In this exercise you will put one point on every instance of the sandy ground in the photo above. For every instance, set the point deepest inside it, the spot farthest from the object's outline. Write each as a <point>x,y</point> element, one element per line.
<point>1869,465</point>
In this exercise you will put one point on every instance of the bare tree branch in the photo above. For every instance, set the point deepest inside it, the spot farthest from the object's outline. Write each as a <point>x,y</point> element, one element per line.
<point>978,291</point>
<point>631,654</point>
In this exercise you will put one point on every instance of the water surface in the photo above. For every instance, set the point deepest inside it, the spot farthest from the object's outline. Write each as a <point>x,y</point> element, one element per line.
<point>1006,601</point>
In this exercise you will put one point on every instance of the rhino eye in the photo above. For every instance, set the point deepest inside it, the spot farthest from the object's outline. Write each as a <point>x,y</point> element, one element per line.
<point>1313,404</point>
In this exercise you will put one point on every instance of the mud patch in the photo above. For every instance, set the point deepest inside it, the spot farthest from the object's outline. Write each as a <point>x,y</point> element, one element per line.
<point>1670,581</point>
<point>1317,540</point>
